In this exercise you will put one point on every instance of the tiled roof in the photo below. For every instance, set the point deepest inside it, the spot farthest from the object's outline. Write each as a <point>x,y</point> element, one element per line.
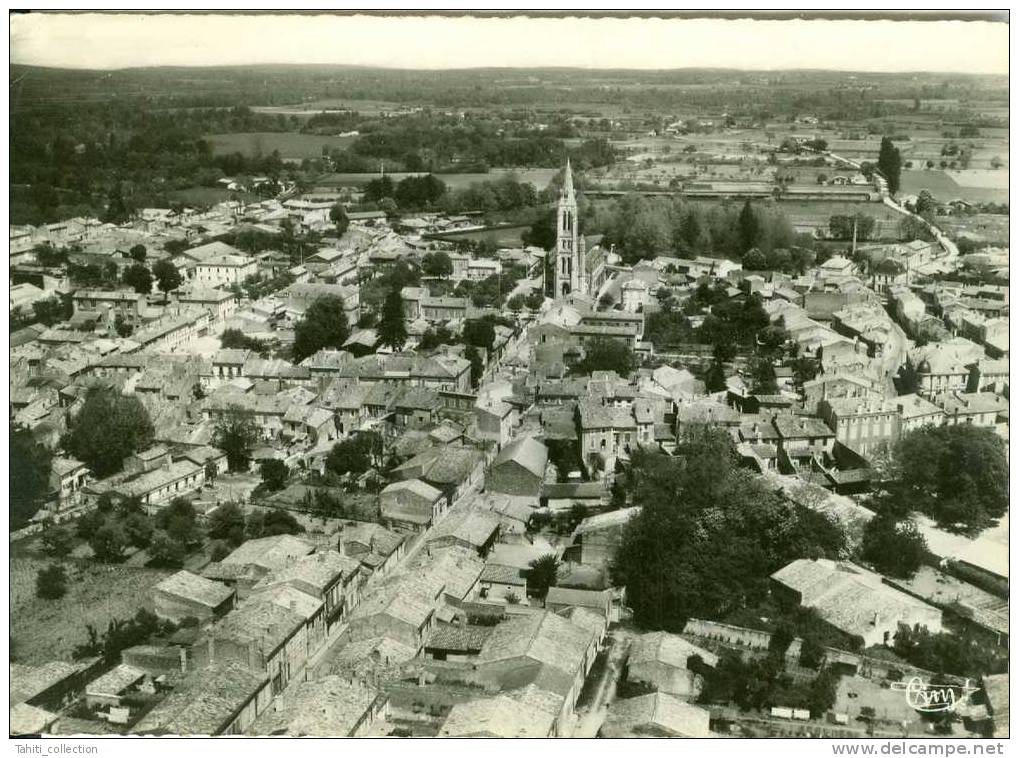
<point>328,707</point>
<point>271,553</point>
<point>206,703</point>
<point>670,649</point>
<point>455,637</point>
<point>544,638</point>
<point>527,452</point>
<point>195,588</point>
<point>259,621</point>
<point>656,714</point>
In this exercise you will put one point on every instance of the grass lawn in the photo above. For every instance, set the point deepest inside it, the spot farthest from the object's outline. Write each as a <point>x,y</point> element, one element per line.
<point>290,144</point>
<point>46,630</point>
<point>207,196</point>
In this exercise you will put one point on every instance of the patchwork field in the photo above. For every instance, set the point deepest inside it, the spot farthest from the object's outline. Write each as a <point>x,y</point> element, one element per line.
<point>291,145</point>
<point>46,630</point>
<point>974,185</point>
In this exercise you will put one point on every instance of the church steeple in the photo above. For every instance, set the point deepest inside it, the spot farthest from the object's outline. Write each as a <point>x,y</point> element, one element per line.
<point>568,264</point>
<point>568,195</point>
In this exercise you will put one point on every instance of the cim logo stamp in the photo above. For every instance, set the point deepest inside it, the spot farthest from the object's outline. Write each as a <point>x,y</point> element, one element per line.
<point>934,698</point>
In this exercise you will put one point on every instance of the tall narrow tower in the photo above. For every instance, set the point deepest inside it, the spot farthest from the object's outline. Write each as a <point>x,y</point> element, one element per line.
<point>567,272</point>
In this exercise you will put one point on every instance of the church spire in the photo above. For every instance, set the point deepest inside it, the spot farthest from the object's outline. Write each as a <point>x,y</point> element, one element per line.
<point>568,193</point>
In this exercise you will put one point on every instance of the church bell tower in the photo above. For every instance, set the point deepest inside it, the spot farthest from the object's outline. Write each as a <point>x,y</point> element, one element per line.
<point>568,264</point>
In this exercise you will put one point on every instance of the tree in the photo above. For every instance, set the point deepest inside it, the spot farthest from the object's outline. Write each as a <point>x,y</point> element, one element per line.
<point>435,336</point>
<point>889,163</point>
<point>754,260</point>
<point>714,378</point>
<point>30,464</point>
<point>479,332</point>
<point>324,325</point>
<point>138,252</point>
<point>137,530</point>
<point>957,475</point>
<point>391,330</point>
<point>121,326</point>
<point>762,375</point>
<point>57,541</point>
<point>388,206</point>
<point>804,369</point>
<point>378,189</point>
<point>543,574</point>
<point>926,205</point>
<point>166,551</point>
<point>843,227</point>
<point>219,549</point>
<point>236,435</point>
<point>167,275</point>
<point>338,215</point>
<point>138,276</point>
<point>274,474</point>
<point>51,582</point>
<point>52,310</point>
<point>749,228</point>
<point>108,428</point>
<point>179,521</point>
<point>117,211</point>
<point>893,547</point>
<point>437,264</point>
<point>108,544</point>
<point>542,232</point>
<point>271,523</point>
<point>709,534</point>
<point>606,354</point>
<point>349,456</point>
<point>278,521</point>
<point>227,523</point>
<point>477,364</point>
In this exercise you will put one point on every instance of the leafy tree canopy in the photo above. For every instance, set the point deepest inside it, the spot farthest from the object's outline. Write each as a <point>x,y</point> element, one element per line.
<point>108,428</point>
<point>709,535</point>
<point>324,325</point>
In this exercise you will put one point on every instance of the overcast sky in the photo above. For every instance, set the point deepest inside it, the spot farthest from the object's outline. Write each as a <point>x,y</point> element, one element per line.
<point>116,41</point>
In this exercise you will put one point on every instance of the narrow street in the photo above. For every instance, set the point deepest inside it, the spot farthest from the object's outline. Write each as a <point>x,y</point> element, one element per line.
<point>592,716</point>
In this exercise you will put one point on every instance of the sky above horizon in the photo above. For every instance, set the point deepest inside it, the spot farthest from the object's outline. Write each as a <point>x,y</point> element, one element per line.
<point>110,41</point>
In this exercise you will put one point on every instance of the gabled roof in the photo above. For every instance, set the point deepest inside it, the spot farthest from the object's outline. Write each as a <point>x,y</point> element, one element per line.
<point>543,638</point>
<point>206,703</point>
<point>669,649</point>
<point>270,552</point>
<point>655,714</point>
<point>527,452</point>
<point>530,712</point>
<point>196,589</point>
<point>328,707</point>
<point>473,527</point>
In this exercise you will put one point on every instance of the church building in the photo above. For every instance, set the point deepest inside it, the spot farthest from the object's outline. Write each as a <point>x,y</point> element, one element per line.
<point>576,271</point>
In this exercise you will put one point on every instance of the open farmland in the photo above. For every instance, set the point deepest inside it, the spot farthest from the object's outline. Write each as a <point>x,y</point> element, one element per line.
<point>981,227</point>
<point>973,185</point>
<point>291,145</point>
<point>46,630</point>
<point>199,197</point>
<point>539,177</point>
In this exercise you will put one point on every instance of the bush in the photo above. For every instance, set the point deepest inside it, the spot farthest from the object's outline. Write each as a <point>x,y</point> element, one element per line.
<point>51,582</point>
